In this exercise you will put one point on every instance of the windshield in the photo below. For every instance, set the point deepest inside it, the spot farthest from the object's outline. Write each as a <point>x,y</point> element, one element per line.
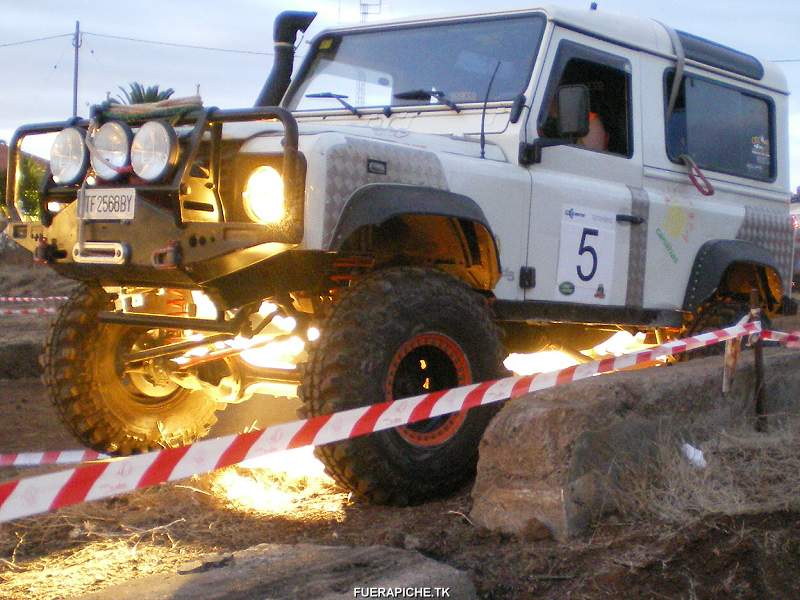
<point>452,60</point>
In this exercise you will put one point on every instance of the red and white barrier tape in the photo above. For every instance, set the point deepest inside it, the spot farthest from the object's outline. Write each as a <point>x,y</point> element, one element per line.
<point>32,299</point>
<point>15,312</point>
<point>790,340</point>
<point>58,457</point>
<point>43,493</point>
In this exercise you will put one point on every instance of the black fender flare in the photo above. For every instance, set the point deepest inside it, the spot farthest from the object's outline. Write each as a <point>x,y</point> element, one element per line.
<point>376,203</point>
<point>711,262</point>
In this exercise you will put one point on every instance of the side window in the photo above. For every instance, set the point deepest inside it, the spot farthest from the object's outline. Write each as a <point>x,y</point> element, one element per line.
<point>721,127</point>
<point>608,78</point>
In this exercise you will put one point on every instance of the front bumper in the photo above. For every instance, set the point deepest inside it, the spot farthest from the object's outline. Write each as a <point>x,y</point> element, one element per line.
<point>160,247</point>
<point>234,263</point>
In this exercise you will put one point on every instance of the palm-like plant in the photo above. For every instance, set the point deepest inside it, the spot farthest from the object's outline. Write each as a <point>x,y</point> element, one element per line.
<point>31,173</point>
<point>139,94</point>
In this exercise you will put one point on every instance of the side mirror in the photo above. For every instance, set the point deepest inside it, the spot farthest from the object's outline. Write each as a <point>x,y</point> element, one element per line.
<point>572,122</point>
<point>573,111</point>
<point>516,108</point>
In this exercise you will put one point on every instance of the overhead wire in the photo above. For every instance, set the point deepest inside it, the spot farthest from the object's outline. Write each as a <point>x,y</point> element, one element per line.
<point>141,41</point>
<point>177,45</point>
<point>31,41</point>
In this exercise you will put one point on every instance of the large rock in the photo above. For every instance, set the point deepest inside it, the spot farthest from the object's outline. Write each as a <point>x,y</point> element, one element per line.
<point>551,462</point>
<point>282,572</point>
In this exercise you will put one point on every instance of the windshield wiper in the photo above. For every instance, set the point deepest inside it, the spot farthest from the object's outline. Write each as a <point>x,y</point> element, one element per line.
<point>421,94</point>
<point>340,98</point>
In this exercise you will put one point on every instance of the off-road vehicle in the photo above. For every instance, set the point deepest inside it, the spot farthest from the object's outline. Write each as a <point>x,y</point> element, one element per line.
<point>422,197</point>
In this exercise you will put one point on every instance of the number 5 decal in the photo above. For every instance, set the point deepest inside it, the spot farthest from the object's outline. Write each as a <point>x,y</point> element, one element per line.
<point>586,249</point>
<point>586,252</point>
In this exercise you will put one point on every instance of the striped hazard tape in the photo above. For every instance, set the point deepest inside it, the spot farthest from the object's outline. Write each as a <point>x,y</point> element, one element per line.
<point>58,457</point>
<point>43,493</point>
<point>15,312</point>
<point>790,340</point>
<point>33,299</point>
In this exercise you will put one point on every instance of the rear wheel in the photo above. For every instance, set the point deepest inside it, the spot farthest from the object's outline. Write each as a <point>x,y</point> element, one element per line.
<point>403,332</point>
<point>717,313</point>
<point>108,405</point>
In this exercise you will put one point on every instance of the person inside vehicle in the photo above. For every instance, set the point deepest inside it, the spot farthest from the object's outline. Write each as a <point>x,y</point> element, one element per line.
<point>597,138</point>
<point>608,104</point>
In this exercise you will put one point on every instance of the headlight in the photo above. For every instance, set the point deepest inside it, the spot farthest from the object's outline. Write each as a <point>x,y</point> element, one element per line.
<point>69,157</point>
<point>112,150</point>
<point>154,150</point>
<point>263,195</point>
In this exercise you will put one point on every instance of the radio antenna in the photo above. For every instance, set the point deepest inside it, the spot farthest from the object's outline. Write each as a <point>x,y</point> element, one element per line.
<point>485,104</point>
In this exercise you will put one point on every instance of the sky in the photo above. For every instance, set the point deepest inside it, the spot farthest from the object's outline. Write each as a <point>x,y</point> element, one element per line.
<point>37,77</point>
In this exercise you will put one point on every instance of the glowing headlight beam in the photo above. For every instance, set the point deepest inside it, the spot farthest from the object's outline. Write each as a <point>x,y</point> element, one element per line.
<point>263,196</point>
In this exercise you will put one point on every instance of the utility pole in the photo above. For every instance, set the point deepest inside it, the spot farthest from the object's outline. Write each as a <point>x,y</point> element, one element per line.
<point>76,42</point>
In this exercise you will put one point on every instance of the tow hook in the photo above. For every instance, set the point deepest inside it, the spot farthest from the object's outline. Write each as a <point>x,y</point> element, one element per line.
<point>168,257</point>
<point>47,253</point>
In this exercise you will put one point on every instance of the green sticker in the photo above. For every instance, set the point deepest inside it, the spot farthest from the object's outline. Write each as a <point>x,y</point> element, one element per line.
<point>567,288</point>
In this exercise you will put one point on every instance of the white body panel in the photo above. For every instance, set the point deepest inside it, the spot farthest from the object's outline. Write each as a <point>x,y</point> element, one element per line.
<point>526,206</point>
<point>573,178</point>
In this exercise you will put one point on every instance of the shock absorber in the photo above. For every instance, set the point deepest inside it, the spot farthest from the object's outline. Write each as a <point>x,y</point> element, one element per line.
<point>179,304</point>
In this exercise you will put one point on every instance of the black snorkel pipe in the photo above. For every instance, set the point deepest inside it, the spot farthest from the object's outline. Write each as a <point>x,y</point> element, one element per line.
<point>287,24</point>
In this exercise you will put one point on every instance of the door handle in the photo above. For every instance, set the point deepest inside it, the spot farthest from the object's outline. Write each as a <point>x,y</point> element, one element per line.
<point>632,219</point>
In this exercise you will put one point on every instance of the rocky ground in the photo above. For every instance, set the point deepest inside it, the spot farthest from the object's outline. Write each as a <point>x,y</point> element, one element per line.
<point>89,547</point>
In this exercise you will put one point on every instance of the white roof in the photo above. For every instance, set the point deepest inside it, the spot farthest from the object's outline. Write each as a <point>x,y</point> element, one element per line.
<point>638,32</point>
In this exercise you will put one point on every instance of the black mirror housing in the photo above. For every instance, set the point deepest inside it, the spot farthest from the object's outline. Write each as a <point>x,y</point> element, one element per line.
<point>572,122</point>
<point>573,111</point>
<point>516,108</point>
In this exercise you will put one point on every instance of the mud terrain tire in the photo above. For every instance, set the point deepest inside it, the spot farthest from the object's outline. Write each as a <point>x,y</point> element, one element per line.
<point>396,332</point>
<point>719,313</point>
<point>81,365</point>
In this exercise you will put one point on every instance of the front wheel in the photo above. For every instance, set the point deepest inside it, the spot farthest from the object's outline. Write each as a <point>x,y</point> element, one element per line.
<point>105,403</point>
<point>399,333</point>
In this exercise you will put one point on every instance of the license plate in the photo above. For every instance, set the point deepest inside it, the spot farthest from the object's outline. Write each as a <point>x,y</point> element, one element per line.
<point>116,204</point>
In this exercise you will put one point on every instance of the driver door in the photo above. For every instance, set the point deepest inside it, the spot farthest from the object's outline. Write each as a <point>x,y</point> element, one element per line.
<point>582,215</point>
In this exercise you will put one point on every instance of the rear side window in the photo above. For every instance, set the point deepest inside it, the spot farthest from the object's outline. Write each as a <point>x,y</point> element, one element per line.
<point>722,128</point>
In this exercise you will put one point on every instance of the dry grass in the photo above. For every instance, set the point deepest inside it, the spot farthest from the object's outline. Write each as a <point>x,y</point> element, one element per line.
<point>748,472</point>
<point>84,549</point>
<point>95,565</point>
<point>89,547</point>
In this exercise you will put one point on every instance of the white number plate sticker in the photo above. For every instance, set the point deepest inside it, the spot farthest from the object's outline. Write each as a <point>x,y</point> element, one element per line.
<point>117,204</point>
<point>586,255</point>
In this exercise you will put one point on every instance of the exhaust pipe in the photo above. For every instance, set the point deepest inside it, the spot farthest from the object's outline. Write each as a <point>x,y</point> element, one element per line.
<point>287,24</point>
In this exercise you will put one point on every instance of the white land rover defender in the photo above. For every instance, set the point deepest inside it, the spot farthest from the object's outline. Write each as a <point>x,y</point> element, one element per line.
<point>422,197</point>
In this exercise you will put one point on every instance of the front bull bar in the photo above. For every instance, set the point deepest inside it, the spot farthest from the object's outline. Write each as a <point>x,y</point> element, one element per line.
<point>203,120</point>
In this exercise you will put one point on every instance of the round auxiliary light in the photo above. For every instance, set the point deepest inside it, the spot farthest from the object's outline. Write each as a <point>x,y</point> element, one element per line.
<point>69,157</point>
<point>111,150</point>
<point>154,151</point>
<point>263,195</point>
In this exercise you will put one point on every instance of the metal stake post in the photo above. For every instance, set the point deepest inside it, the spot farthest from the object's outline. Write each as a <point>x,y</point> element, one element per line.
<point>761,418</point>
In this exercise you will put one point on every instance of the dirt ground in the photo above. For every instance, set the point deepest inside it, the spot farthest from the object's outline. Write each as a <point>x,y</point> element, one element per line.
<point>91,546</point>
